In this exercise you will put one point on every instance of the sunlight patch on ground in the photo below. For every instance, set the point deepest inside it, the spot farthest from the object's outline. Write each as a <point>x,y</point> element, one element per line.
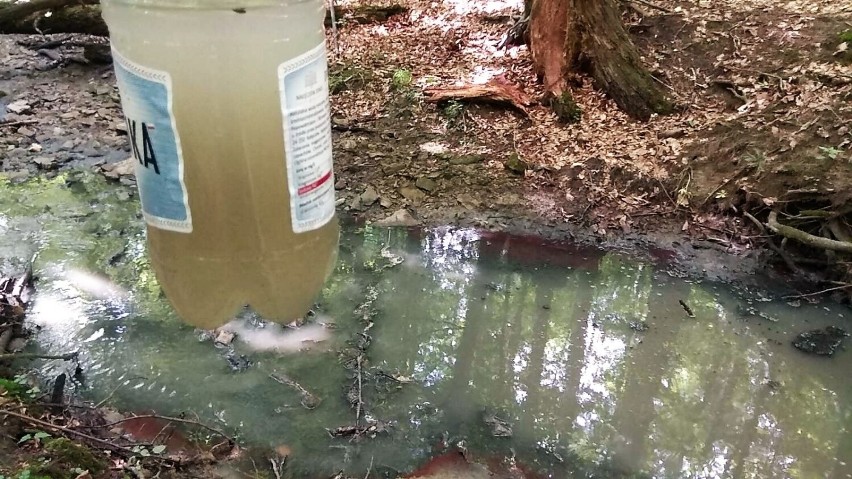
<point>465,7</point>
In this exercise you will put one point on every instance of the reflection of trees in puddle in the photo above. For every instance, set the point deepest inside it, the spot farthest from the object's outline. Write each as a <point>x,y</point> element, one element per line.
<point>553,351</point>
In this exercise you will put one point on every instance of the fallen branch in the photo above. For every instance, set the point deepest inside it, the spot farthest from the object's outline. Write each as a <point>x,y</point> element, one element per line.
<point>71,16</point>
<point>806,238</point>
<point>309,400</point>
<point>230,439</point>
<point>817,293</point>
<point>496,91</point>
<point>17,123</point>
<point>81,435</point>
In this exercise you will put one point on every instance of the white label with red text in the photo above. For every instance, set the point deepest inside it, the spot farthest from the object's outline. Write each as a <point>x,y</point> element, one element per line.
<point>303,85</point>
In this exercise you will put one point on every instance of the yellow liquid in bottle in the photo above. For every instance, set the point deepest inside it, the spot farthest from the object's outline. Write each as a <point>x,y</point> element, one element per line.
<point>227,108</point>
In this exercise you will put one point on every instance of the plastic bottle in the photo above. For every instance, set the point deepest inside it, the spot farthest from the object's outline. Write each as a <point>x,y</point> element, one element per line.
<point>226,104</point>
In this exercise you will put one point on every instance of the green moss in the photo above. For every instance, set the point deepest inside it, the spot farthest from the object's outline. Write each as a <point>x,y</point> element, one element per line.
<point>402,78</point>
<point>846,36</point>
<point>515,164</point>
<point>67,453</point>
<point>342,77</point>
<point>566,108</point>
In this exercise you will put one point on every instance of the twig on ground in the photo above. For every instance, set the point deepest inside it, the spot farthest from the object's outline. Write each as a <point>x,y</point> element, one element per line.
<point>18,123</point>
<point>652,5</point>
<point>275,468</point>
<point>369,469</point>
<point>360,400</point>
<point>334,33</point>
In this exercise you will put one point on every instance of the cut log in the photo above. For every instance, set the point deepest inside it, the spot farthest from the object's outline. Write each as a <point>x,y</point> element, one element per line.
<point>67,16</point>
<point>496,91</point>
<point>84,16</point>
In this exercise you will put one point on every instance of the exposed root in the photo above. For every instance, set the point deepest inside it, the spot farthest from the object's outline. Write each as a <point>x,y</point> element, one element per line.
<point>806,238</point>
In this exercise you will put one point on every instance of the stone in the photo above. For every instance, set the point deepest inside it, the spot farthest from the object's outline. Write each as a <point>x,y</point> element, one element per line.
<point>392,168</point>
<point>434,148</point>
<point>224,337</point>
<point>340,184</point>
<point>468,201</point>
<point>466,159</point>
<point>355,203</point>
<point>400,217</point>
<point>515,164</point>
<point>385,202</point>
<point>120,169</point>
<point>369,196</point>
<point>426,184</point>
<point>18,176</point>
<point>17,107</point>
<point>68,145</point>
<point>822,342</point>
<point>412,194</point>
<point>26,131</point>
<point>45,162</point>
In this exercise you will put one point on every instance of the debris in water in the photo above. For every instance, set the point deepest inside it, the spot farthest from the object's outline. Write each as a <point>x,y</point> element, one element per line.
<point>309,400</point>
<point>371,429</point>
<point>638,326</point>
<point>823,342</point>
<point>238,362</point>
<point>686,308</point>
<point>499,427</point>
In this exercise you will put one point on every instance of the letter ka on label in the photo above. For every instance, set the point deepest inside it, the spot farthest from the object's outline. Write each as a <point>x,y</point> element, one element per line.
<point>146,97</point>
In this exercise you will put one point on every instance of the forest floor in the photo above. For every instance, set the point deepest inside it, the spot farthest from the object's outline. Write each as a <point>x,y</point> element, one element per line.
<point>764,89</point>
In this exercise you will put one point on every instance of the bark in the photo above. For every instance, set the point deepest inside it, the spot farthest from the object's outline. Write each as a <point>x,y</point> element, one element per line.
<point>586,36</point>
<point>67,16</point>
<point>496,91</point>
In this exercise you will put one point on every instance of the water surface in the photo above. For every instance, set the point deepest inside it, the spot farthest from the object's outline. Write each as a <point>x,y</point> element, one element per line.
<point>570,360</point>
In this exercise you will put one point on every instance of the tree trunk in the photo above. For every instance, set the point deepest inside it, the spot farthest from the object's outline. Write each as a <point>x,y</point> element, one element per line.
<point>587,36</point>
<point>67,16</point>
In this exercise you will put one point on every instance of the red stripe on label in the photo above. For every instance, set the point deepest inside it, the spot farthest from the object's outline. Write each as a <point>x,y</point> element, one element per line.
<point>316,184</point>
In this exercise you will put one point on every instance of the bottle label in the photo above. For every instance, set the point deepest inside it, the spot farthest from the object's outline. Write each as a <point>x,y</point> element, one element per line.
<point>146,98</point>
<point>303,85</point>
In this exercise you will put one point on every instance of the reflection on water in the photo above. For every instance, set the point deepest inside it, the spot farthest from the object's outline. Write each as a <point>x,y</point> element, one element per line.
<point>562,357</point>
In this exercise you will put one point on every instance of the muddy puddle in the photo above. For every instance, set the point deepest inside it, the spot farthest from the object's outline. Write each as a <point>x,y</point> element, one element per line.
<point>567,360</point>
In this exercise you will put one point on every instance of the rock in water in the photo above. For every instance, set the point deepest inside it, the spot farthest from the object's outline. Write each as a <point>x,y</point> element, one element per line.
<point>823,342</point>
<point>238,362</point>
<point>400,217</point>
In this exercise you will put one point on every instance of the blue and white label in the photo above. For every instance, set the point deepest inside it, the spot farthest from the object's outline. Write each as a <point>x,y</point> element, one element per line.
<point>303,86</point>
<point>146,98</point>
